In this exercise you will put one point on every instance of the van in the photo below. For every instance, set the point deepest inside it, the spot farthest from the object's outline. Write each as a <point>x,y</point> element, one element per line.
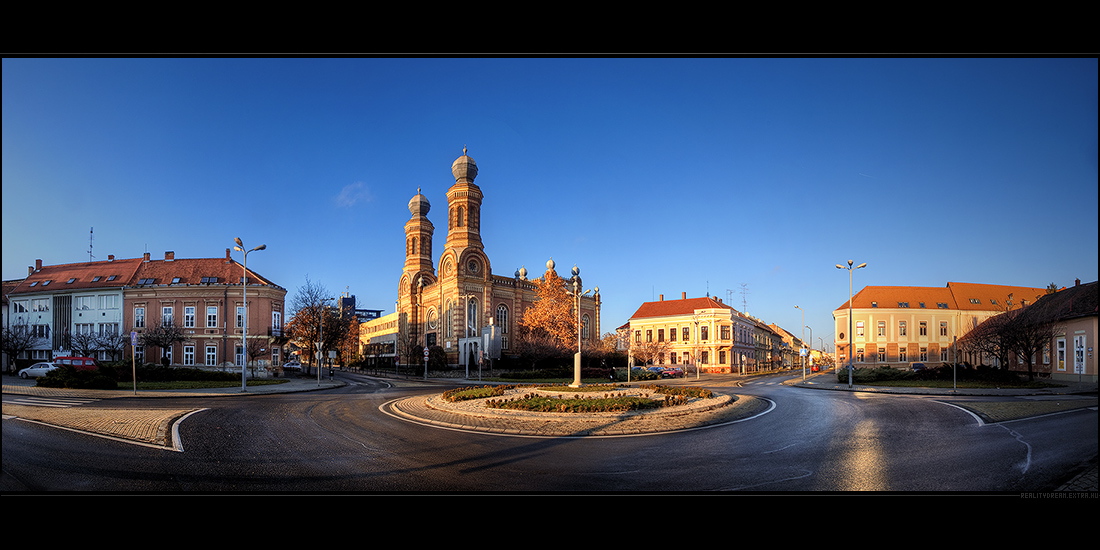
<point>81,363</point>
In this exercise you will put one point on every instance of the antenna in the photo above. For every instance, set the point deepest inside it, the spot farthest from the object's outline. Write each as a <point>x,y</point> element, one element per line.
<point>744,300</point>
<point>91,237</point>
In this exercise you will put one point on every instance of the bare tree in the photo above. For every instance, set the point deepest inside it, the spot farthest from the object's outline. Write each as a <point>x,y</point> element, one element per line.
<point>309,321</point>
<point>85,344</point>
<point>163,336</point>
<point>16,339</point>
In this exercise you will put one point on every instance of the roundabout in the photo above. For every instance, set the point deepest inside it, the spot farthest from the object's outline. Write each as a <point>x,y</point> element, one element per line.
<point>477,416</point>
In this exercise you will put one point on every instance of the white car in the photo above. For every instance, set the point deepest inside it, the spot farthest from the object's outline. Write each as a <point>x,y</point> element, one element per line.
<point>292,366</point>
<point>37,370</point>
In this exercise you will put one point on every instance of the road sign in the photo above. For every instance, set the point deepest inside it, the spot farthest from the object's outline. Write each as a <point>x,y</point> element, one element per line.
<point>133,338</point>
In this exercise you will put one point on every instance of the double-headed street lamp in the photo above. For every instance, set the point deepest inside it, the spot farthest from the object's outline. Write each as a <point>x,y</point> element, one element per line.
<point>578,295</point>
<point>802,359</point>
<point>244,296</point>
<point>849,268</point>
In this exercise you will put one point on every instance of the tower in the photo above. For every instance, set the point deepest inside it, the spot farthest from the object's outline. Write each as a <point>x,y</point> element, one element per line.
<point>464,206</point>
<point>418,237</point>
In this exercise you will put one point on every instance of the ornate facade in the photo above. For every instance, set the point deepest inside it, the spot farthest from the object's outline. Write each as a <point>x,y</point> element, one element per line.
<point>451,307</point>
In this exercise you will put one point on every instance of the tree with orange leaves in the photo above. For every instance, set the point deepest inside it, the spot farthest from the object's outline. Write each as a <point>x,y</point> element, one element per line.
<point>552,317</point>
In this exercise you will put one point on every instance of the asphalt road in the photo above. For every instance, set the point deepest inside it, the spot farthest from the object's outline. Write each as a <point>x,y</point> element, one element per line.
<point>342,441</point>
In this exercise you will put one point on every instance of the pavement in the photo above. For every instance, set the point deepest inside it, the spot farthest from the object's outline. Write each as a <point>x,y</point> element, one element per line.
<point>155,427</point>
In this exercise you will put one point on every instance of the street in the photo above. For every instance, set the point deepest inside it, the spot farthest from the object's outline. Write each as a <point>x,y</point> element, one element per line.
<point>341,440</point>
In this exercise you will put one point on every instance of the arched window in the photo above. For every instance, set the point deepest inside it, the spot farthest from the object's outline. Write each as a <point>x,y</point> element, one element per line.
<point>471,317</point>
<point>448,320</point>
<point>584,326</point>
<point>459,215</point>
<point>502,318</point>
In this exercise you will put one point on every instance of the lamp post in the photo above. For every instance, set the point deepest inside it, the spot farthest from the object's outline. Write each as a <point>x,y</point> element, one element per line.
<point>321,339</point>
<point>849,268</point>
<point>244,297</point>
<point>809,349</point>
<point>800,358</point>
<point>577,294</point>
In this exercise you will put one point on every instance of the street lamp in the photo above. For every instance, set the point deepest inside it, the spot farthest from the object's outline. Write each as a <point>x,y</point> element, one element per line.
<point>577,294</point>
<point>800,358</point>
<point>810,349</point>
<point>849,268</point>
<point>321,339</point>
<point>244,297</point>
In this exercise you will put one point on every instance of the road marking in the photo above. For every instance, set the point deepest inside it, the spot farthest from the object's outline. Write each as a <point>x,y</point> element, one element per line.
<point>59,402</point>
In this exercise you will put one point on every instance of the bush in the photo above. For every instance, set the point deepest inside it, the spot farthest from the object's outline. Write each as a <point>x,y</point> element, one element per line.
<point>72,378</point>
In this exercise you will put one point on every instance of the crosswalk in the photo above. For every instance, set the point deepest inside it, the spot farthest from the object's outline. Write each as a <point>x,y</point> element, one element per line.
<point>58,402</point>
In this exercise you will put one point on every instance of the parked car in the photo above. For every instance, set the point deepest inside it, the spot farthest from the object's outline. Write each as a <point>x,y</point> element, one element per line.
<point>292,366</point>
<point>80,363</point>
<point>917,367</point>
<point>660,372</point>
<point>675,372</point>
<point>37,370</point>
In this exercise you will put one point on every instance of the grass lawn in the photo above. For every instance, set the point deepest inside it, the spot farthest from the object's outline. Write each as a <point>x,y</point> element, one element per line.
<point>196,384</point>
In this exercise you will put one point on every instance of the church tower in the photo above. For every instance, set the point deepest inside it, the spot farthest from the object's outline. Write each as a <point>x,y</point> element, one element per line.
<point>464,206</point>
<point>418,237</point>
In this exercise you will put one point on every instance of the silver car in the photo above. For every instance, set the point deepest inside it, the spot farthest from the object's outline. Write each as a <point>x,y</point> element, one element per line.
<point>37,370</point>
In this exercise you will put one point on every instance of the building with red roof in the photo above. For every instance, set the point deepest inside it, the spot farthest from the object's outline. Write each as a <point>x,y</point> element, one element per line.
<point>703,333</point>
<point>202,296</point>
<point>896,326</point>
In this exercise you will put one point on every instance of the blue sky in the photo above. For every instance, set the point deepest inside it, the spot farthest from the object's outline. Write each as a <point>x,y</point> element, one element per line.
<point>653,176</point>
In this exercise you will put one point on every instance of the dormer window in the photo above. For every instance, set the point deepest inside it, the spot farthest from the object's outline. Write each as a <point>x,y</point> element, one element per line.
<point>175,280</point>
<point>874,304</point>
<point>70,281</point>
<point>111,278</point>
<point>96,279</point>
<point>975,301</point>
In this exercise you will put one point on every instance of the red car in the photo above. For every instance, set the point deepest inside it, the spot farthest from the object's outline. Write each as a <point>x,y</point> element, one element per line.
<point>674,372</point>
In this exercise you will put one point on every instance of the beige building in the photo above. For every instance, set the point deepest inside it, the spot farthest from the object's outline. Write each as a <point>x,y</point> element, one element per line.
<point>899,325</point>
<point>696,332</point>
<point>453,306</point>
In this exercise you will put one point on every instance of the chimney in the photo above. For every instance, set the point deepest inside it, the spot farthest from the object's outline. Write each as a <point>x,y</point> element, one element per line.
<point>169,256</point>
<point>110,257</point>
<point>684,296</point>
<point>227,258</point>
<point>1077,283</point>
<point>30,271</point>
<point>146,257</point>
<point>38,265</point>
<point>660,297</point>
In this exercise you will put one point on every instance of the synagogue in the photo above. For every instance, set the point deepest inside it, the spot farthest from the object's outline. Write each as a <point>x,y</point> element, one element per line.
<point>454,300</point>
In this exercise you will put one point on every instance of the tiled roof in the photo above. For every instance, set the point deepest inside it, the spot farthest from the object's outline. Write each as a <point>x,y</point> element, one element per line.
<point>964,296</point>
<point>668,308</point>
<point>84,276</point>
<point>135,272</point>
<point>1068,303</point>
<point>194,271</point>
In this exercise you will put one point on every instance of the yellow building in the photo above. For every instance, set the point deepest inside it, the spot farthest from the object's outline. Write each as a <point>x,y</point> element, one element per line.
<point>899,325</point>
<point>695,332</point>
<point>454,306</point>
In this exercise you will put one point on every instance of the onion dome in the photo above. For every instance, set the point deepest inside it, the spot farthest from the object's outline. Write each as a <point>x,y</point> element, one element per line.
<point>464,168</point>
<point>419,204</point>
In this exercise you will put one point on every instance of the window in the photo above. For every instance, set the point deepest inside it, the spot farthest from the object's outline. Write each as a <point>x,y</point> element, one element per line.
<point>859,328</point>
<point>943,328</point>
<point>874,304</point>
<point>903,355</point>
<point>922,305</point>
<point>277,320</point>
<point>84,302</point>
<point>139,317</point>
<point>882,328</point>
<point>108,301</point>
<point>139,354</point>
<point>584,326</point>
<point>941,305</point>
<point>725,332</point>
<point>211,355</point>
<point>660,335</point>
<point>903,304</point>
<point>84,328</point>
<point>1061,354</point>
<point>168,354</point>
<point>240,316</point>
<point>923,328</point>
<point>211,316</point>
<point>672,358</point>
<point>108,329</point>
<point>1046,354</point>
<point>901,328</point>
<point>704,333</point>
<point>943,354</point>
<point>275,356</point>
<point>704,357</point>
<point>40,304</point>
<point>686,334</point>
<point>975,301</point>
<point>166,315</point>
<point>649,336</point>
<point>238,356</point>
<point>19,307</point>
<point>881,355</point>
<point>188,355</point>
<point>638,336</point>
<point>189,322</point>
<point>859,355</point>
<point>924,354</point>
<point>502,318</point>
<point>721,358</point>
<point>672,334</point>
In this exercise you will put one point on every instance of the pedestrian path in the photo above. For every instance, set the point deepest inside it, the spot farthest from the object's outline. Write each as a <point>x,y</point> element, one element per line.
<point>36,401</point>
